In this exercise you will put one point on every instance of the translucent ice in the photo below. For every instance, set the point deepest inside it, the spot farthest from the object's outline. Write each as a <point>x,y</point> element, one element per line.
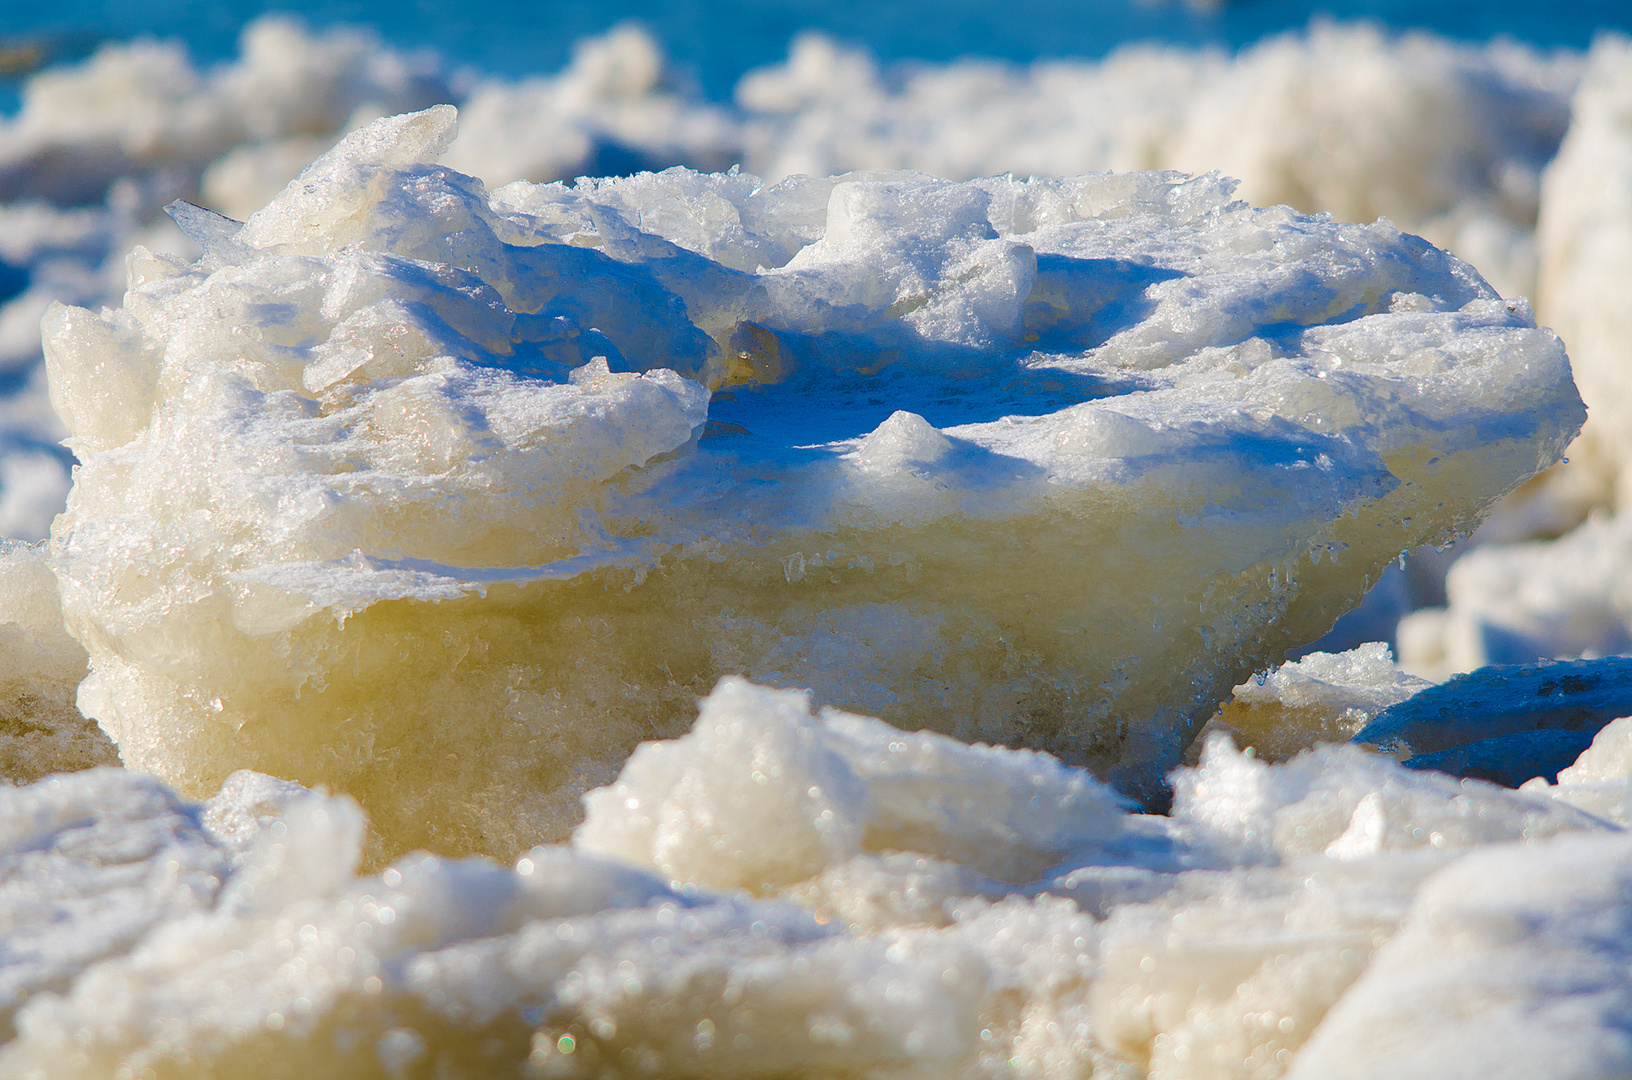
<point>41,668</point>
<point>1052,463</point>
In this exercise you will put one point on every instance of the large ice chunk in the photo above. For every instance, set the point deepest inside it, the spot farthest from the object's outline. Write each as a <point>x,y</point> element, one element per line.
<point>1578,696</point>
<point>447,500</point>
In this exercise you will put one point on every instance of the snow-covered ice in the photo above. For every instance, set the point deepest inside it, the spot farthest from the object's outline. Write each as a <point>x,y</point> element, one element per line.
<point>1052,463</point>
<point>784,892</point>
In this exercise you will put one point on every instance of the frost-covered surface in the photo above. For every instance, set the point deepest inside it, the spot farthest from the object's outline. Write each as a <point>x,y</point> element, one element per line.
<point>786,894</point>
<point>97,148</point>
<point>1050,463</point>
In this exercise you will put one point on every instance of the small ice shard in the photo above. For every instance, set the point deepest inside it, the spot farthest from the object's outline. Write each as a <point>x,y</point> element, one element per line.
<point>411,500</point>
<point>1609,758</point>
<point>217,235</point>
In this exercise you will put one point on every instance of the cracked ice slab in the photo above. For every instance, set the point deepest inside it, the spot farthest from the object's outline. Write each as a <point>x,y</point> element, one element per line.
<point>447,498</point>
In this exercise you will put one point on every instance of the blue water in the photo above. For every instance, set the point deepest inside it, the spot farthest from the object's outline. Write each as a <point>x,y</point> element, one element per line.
<point>717,40</point>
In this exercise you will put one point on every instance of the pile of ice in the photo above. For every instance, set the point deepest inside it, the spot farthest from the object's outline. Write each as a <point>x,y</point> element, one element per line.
<point>782,893</point>
<point>1448,140</point>
<point>450,501</point>
<point>1320,698</point>
<point>98,148</point>
<point>446,500</point>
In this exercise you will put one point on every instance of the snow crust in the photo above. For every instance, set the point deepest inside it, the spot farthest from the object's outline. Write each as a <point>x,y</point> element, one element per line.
<point>785,892</point>
<point>500,483</point>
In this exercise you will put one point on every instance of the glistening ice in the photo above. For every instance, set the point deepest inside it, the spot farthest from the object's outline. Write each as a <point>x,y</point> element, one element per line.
<point>440,508</point>
<point>447,500</point>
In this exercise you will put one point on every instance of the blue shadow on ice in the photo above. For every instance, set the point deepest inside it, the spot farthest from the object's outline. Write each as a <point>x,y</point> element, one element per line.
<point>1507,723</point>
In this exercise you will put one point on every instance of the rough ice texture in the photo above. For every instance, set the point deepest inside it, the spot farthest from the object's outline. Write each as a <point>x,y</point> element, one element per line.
<point>1321,697</point>
<point>97,148</point>
<point>880,938</point>
<point>1447,139</point>
<point>449,520</point>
